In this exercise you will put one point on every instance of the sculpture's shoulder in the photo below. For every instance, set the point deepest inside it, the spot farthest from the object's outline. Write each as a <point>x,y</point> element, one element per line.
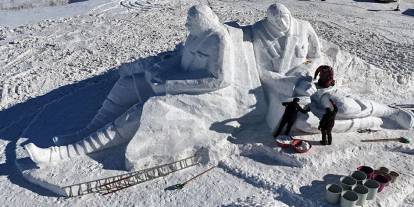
<point>217,38</point>
<point>304,25</point>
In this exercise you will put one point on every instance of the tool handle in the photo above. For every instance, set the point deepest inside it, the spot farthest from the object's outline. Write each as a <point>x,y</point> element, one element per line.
<point>381,140</point>
<point>199,175</point>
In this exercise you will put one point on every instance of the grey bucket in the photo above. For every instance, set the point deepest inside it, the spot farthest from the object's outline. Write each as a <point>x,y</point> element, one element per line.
<point>359,176</point>
<point>362,192</point>
<point>333,193</point>
<point>349,198</point>
<point>394,176</point>
<point>347,182</point>
<point>372,186</point>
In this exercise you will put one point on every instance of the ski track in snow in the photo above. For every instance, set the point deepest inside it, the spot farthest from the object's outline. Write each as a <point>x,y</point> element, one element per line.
<point>39,58</point>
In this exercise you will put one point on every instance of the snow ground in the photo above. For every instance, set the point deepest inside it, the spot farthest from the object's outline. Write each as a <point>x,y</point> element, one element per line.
<point>47,66</point>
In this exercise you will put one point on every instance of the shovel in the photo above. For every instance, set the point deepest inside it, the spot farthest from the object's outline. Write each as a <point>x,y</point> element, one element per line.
<point>180,186</point>
<point>401,139</point>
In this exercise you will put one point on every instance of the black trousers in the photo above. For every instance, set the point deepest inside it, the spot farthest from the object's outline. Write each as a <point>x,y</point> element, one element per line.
<point>327,133</point>
<point>282,124</point>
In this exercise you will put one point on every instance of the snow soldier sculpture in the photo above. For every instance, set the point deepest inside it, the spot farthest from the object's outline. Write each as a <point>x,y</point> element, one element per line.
<point>171,102</point>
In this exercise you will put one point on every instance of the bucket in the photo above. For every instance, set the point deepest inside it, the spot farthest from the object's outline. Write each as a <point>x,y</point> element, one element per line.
<point>347,182</point>
<point>383,181</point>
<point>372,186</point>
<point>362,193</point>
<point>359,176</point>
<point>333,193</point>
<point>384,170</point>
<point>394,176</point>
<point>348,198</point>
<point>367,170</point>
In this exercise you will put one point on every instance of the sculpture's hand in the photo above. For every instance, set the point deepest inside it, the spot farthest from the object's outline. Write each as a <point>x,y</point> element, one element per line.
<point>153,74</point>
<point>158,88</point>
<point>305,87</point>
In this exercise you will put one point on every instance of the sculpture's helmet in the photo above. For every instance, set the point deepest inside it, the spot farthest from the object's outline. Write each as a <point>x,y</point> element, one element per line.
<point>279,16</point>
<point>200,18</point>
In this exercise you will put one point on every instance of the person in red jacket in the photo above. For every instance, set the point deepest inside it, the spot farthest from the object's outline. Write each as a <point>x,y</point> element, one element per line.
<point>326,76</point>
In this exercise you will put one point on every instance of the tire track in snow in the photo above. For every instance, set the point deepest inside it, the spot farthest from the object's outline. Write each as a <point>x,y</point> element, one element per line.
<point>143,5</point>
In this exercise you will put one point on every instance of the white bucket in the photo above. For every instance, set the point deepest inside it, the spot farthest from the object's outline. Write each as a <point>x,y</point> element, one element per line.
<point>359,176</point>
<point>333,193</point>
<point>372,186</point>
<point>362,193</point>
<point>347,182</point>
<point>349,198</point>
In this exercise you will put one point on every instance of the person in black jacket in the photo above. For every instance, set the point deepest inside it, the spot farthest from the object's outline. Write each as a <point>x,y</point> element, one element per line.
<point>289,116</point>
<point>327,123</point>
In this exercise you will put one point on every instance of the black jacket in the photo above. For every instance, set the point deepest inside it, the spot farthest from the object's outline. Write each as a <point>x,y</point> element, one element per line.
<point>328,119</point>
<point>291,111</point>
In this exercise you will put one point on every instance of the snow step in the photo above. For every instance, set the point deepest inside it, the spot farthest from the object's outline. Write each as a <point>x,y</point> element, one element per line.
<point>115,183</point>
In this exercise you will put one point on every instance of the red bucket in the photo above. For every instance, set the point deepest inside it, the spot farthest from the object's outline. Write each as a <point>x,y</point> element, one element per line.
<point>382,179</point>
<point>298,145</point>
<point>367,170</point>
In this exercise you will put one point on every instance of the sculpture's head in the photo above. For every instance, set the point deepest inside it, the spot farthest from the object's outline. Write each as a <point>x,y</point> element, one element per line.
<point>327,110</point>
<point>279,16</point>
<point>201,18</point>
<point>296,99</point>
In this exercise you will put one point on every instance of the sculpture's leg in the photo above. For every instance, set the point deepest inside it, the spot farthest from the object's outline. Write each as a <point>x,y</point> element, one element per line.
<point>122,96</point>
<point>127,91</point>
<point>309,123</point>
<point>114,133</point>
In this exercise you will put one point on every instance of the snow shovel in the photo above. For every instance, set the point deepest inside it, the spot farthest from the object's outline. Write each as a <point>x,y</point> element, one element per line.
<point>401,139</point>
<point>180,186</point>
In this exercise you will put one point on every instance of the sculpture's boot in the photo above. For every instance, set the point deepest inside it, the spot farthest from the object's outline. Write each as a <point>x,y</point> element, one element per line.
<point>115,133</point>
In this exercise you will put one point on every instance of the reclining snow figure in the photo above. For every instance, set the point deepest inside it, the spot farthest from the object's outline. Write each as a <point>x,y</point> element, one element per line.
<point>195,88</point>
<point>287,53</point>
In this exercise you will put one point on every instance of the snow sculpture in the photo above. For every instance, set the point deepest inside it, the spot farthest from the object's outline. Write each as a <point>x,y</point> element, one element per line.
<point>355,113</point>
<point>287,51</point>
<point>194,89</point>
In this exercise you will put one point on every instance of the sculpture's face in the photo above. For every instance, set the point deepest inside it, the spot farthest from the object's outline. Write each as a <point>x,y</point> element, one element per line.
<point>280,17</point>
<point>199,19</point>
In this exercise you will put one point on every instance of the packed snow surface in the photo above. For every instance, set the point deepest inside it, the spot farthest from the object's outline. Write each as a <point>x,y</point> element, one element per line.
<point>55,74</point>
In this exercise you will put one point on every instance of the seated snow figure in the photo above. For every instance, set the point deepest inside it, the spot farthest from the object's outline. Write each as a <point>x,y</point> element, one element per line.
<point>193,89</point>
<point>283,44</point>
<point>286,51</point>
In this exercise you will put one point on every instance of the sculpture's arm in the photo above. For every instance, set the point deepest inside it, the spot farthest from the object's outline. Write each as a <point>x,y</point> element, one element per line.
<point>154,73</point>
<point>314,47</point>
<point>218,51</point>
<point>313,55</point>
